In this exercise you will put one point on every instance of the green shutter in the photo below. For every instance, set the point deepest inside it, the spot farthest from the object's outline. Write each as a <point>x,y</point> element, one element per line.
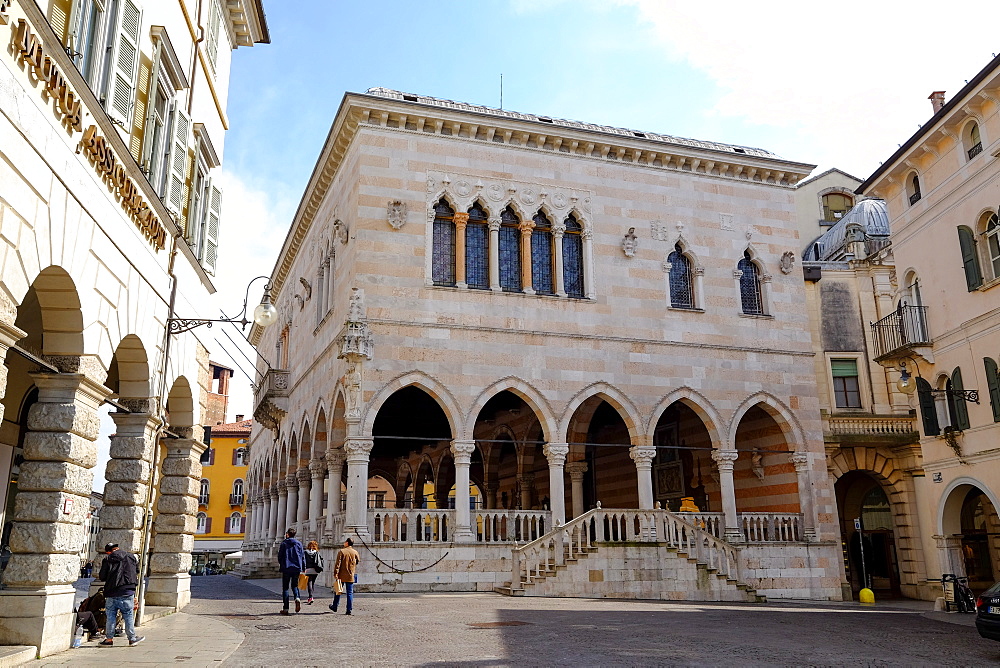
<point>928,412</point>
<point>844,368</point>
<point>961,408</point>
<point>967,240</point>
<point>993,383</point>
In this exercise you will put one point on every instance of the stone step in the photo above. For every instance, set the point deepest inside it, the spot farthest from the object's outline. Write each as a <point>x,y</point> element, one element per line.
<point>16,655</point>
<point>509,591</point>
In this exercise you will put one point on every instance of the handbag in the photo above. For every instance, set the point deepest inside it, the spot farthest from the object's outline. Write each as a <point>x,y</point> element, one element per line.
<point>303,581</point>
<point>338,588</point>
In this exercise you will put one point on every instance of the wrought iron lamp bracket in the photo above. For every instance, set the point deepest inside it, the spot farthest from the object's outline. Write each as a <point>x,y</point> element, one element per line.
<point>964,395</point>
<point>181,325</point>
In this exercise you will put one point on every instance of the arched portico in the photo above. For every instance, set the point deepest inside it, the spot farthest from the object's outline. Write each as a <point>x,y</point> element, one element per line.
<point>969,532</point>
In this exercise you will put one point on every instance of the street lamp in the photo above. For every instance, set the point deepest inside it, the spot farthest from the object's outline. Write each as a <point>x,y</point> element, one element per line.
<point>263,315</point>
<point>906,383</point>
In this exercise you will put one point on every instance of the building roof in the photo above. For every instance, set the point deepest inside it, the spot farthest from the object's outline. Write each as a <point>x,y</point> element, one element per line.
<point>870,214</point>
<point>608,129</point>
<point>829,171</point>
<point>241,428</point>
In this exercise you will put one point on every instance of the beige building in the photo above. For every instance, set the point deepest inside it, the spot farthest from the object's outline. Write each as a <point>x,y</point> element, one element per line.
<point>572,318</point>
<point>821,201</point>
<point>941,191</point>
<point>112,117</point>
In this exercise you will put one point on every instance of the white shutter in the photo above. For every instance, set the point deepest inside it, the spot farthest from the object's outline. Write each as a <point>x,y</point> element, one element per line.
<point>213,215</point>
<point>212,41</point>
<point>147,135</point>
<point>73,33</point>
<point>120,96</point>
<point>180,134</point>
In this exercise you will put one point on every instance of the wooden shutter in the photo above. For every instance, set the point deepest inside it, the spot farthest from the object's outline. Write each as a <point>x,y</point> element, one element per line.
<point>234,456</point>
<point>211,456</point>
<point>227,524</point>
<point>961,407</point>
<point>928,411</point>
<point>120,95</point>
<point>970,259</point>
<point>177,161</point>
<point>208,525</point>
<point>213,215</point>
<point>993,383</point>
<point>147,126</point>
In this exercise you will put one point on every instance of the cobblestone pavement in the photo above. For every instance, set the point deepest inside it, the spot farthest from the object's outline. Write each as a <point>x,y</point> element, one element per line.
<point>490,630</point>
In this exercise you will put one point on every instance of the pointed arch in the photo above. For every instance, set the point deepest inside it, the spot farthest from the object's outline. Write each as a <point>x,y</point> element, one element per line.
<point>421,380</point>
<point>531,396</point>
<point>621,403</point>
<point>305,444</point>
<point>701,406</point>
<point>771,405</point>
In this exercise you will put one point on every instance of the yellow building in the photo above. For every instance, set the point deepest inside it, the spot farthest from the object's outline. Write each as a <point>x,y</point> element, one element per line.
<point>221,501</point>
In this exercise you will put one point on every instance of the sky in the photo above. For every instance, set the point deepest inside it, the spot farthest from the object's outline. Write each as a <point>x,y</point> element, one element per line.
<point>836,85</point>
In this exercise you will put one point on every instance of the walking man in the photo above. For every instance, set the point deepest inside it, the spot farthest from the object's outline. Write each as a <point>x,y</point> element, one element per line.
<point>291,561</point>
<point>120,573</point>
<point>344,570</point>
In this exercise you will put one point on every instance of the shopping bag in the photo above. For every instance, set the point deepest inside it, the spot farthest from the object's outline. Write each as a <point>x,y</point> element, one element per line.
<point>303,581</point>
<point>338,588</point>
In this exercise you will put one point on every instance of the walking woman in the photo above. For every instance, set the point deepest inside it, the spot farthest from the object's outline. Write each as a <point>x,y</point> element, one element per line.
<point>314,566</point>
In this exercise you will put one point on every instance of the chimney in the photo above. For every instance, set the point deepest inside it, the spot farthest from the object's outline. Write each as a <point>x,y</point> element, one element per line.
<point>239,418</point>
<point>937,100</point>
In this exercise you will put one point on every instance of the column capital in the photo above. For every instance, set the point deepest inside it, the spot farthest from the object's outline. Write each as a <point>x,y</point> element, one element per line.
<point>558,230</point>
<point>725,459</point>
<point>801,461</point>
<point>317,468</point>
<point>358,449</point>
<point>304,476</point>
<point>526,226</point>
<point>282,487</point>
<point>642,455</point>
<point>494,224</point>
<point>462,451</point>
<point>291,480</point>
<point>461,219</point>
<point>526,478</point>
<point>556,453</point>
<point>184,447</point>
<point>576,469</point>
<point>334,458</point>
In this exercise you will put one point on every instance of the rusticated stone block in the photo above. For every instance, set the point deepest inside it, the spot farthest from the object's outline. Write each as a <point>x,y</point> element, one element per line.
<point>60,447</point>
<point>177,505</point>
<point>121,517</point>
<point>172,562</point>
<point>125,494</point>
<point>50,507</point>
<point>131,447</point>
<point>180,486</point>
<point>127,470</point>
<point>64,418</point>
<point>27,570</point>
<point>173,542</point>
<point>178,466</point>
<point>56,476</point>
<point>176,523</point>
<point>46,537</point>
<point>129,540</point>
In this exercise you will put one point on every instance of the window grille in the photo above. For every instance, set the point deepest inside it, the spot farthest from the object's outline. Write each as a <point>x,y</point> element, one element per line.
<point>510,252</point>
<point>477,245</point>
<point>541,255</point>
<point>443,260</point>
<point>750,293</point>
<point>681,292</point>
<point>572,247</point>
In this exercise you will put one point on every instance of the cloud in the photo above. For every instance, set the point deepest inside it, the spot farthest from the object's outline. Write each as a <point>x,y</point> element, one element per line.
<point>845,84</point>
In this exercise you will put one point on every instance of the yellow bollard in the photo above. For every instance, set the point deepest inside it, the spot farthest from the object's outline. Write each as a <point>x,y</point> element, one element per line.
<point>866,596</point>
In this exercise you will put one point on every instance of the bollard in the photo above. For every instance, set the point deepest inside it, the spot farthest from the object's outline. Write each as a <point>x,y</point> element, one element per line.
<point>866,596</point>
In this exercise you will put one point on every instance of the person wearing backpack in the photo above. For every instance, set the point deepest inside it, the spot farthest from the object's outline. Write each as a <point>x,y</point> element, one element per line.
<point>120,574</point>
<point>314,566</point>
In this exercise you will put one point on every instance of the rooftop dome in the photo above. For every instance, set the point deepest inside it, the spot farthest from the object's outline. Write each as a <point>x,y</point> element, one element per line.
<point>872,218</point>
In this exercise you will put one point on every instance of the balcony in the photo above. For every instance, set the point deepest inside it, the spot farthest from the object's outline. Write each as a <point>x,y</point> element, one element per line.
<point>870,428</point>
<point>236,499</point>
<point>271,398</point>
<point>975,150</point>
<point>914,198</point>
<point>203,499</point>
<point>902,333</point>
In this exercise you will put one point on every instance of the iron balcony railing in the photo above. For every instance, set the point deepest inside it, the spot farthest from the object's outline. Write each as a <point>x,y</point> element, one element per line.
<point>203,499</point>
<point>903,328</point>
<point>236,499</point>
<point>975,150</point>
<point>914,198</point>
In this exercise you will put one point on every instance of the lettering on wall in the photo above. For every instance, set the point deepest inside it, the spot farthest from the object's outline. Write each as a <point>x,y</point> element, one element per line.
<point>41,68</point>
<point>103,159</point>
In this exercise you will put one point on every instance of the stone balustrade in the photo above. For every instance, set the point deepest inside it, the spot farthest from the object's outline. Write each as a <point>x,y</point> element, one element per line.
<point>508,526</point>
<point>391,525</point>
<point>869,425</point>
<point>755,527</point>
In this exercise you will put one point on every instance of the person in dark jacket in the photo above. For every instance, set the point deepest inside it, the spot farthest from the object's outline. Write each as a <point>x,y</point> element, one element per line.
<point>120,574</point>
<point>291,562</point>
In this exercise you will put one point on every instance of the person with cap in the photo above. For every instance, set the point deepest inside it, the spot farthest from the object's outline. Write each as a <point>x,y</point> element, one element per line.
<point>291,562</point>
<point>120,574</point>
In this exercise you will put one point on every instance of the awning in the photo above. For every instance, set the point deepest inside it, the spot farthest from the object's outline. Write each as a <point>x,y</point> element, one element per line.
<point>234,555</point>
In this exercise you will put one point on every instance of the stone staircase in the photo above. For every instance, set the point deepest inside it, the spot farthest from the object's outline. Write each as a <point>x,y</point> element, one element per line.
<point>257,569</point>
<point>629,554</point>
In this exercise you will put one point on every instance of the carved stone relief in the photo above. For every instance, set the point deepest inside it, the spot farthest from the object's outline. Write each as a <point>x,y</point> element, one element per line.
<point>396,213</point>
<point>787,262</point>
<point>630,243</point>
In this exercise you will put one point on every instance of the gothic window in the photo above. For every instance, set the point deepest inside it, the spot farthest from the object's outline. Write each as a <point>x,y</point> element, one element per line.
<point>541,255</point>
<point>750,290</point>
<point>572,248</point>
<point>993,244</point>
<point>970,258</point>
<point>510,252</point>
<point>477,246</point>
<point>681,285</point>
<point>443,256</point>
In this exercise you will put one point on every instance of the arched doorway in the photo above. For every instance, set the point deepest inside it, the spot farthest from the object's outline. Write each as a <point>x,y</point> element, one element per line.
<point>509,437</point>
<point>870,557</point>
<point>599,433</point>
<point>683,467</point>
<point>980,533</point>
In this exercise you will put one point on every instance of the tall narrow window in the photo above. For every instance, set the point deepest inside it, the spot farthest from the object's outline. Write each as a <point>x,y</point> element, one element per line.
<point>201,525</point>
<point>572,248</point>
<point>928,411</point>
<point>750,293</point>
<point>239,457</point>
<point>443,260</point>
<point>970,258</point>
<point>993,244</point>
<point>541,255</point>
<point>974,141</point>
<point>846,391</point>
<point>238,490</point>
<point>510,252</point>
<point>203,493</point>
<point>681,285</point>
<point>477,246</point>
<point>235,523</point>
<point>89,25</point>
<point>913,188</point>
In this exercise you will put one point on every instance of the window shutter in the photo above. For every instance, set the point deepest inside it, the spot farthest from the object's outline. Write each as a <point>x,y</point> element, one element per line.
<point>208,525</point>
<point>928,412</point>
<point>961,407</point>
<point>844,368</point>
<point>993,383</point>
<point>234,456</point>
<point>213,214</point>
<point>177,161</point>
<point>212,41</point>
<point>147,135</point>
<point>211,456</point>
<point>227,525</point>
<point>73,31</point>
<point>967,241</point>
<point>120,96</point>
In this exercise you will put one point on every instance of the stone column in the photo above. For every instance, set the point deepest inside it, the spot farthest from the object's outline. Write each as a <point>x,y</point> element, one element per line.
<point>461,221</point>
<point>725,460</point>
<point>558,231</point>
<point>462,453</point>
<point>643,456</point>
<point>576,471</point>
<point>302,515</point>
<point>527,482</point>
<point>128,477</point>
<point>52,503</point>
<point>335,465</point>
<point>292,503</point>
<point>588,263</point>
<point>9,335</point>
<point>357,450</point>
<point>271,532</point>
<point>526,227</point>
<point>176,517</point>
<point>494,253</point>
<point>317,468</point>
<point>489,496</point>
<point>282,513</point>
<point>556,453</point>
<point>809,520</point>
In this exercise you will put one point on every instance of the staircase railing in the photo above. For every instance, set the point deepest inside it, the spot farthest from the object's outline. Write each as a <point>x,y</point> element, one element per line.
<point>602,526</point>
